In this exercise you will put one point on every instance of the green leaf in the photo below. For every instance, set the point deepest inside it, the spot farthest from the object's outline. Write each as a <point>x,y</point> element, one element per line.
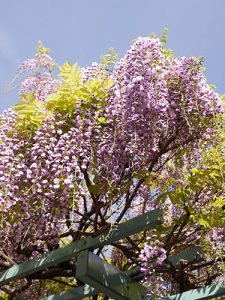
<point>102,121</point>
<point>41,49</point>
<point>204,221</point>
<point>109,58</point>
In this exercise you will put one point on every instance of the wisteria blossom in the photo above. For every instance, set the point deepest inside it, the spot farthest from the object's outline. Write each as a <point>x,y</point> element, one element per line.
<point>41,85</point>
<point>111,144</point>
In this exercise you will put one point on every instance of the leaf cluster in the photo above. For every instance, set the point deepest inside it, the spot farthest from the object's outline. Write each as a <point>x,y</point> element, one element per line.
<point>74,92</point>
<point>31,112</point>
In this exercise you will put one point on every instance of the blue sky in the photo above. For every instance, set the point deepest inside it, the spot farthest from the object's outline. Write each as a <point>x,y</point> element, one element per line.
<point>82,30</point>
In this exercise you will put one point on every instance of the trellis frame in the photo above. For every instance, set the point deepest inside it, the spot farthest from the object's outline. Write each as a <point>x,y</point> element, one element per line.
<point>100,277</point>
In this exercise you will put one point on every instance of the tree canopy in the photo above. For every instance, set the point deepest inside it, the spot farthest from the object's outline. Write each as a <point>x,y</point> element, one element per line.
<point>93,147</point>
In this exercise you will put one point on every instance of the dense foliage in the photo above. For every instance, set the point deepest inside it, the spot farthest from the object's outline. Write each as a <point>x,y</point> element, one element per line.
<point>101,144</point>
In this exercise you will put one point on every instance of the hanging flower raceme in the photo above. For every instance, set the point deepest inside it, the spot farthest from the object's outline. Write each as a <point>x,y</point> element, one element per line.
<point>41,84</point>
<point>152,255</point>
<point>157,103</point>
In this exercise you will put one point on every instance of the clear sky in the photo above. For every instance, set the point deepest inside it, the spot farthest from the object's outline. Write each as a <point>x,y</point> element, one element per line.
<point>82,30</point>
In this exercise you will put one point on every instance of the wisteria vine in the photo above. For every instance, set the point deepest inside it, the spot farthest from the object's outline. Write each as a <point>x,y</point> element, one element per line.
<point>108,144</point>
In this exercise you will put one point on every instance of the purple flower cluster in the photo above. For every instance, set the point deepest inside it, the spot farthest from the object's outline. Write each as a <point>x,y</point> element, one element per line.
<point>34,64</point>
<point>40,80</point>
<point>44,181</point>
<point>48,178</point>
<point>156,104</point>
<point>217,234</point>
<point>151,255</point>
<point>93,72</point>
<point>41,84</point>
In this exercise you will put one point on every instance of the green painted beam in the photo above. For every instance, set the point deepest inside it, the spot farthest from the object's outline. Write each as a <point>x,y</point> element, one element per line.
<point>105,278</point>
<point>78,293</point>
<point>190,254</point>
<point>207,292</point>
<point>135,225</point>
<point>135,273</point>
<point>85,291</point>
<point>132,226</point>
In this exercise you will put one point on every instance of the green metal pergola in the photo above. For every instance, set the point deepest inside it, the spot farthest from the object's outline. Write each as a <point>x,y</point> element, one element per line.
<point>99,276</point>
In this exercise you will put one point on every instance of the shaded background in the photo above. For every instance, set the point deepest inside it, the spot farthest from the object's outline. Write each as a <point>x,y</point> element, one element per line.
<point>82,30</point>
